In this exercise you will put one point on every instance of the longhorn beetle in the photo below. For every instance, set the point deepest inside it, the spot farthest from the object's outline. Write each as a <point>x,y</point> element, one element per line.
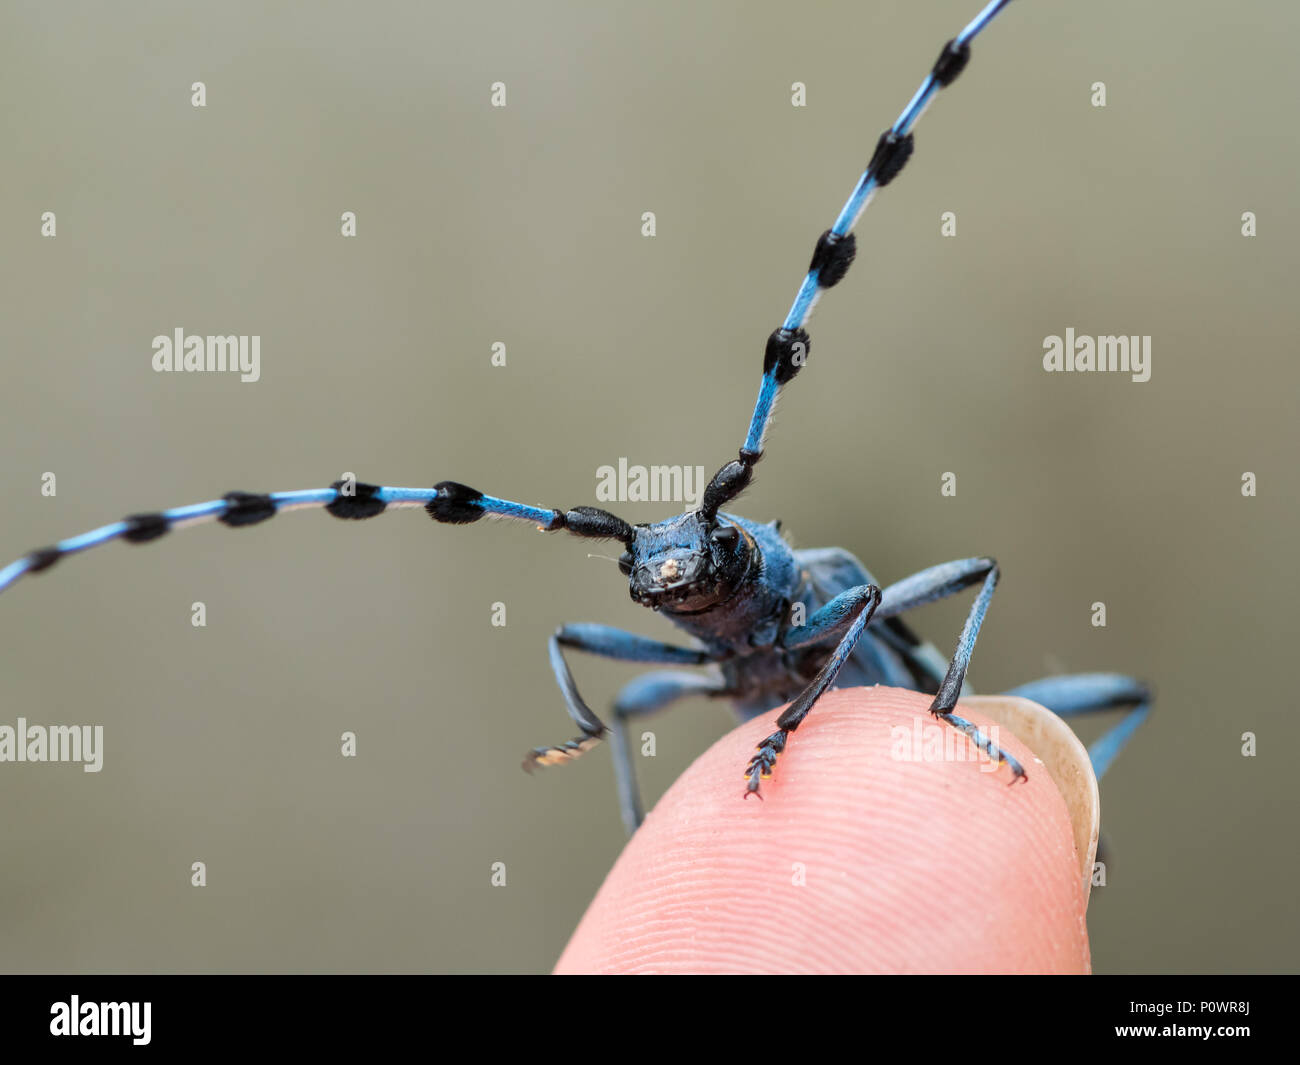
<point>730,583</point>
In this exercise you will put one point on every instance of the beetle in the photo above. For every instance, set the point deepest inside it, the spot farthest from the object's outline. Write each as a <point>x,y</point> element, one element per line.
<point>770,624</point>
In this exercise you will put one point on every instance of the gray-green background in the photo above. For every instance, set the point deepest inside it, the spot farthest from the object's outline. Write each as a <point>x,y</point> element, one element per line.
<point>523,225</point>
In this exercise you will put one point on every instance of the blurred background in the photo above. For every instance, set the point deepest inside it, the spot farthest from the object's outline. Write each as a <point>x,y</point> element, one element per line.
<point>522,225</point>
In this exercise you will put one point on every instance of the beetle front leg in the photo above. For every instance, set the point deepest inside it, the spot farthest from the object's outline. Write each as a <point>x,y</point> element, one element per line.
<point>848,613</point>
<point>609,643</point>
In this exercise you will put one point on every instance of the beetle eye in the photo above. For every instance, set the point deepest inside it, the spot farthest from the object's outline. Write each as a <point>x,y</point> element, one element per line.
<point>725,535</point>
<point>625,563</point>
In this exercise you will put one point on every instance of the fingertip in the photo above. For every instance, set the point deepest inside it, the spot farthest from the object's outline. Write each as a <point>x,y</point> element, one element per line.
<point>881,845</point>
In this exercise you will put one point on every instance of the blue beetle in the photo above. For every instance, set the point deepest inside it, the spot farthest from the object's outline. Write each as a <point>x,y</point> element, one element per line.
<point>773,625</point>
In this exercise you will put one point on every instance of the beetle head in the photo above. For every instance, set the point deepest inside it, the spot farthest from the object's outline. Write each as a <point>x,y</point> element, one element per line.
<point>685,564</point>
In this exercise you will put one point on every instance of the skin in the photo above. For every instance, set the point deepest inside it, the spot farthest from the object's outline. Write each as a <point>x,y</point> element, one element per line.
<point>909,866</point>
